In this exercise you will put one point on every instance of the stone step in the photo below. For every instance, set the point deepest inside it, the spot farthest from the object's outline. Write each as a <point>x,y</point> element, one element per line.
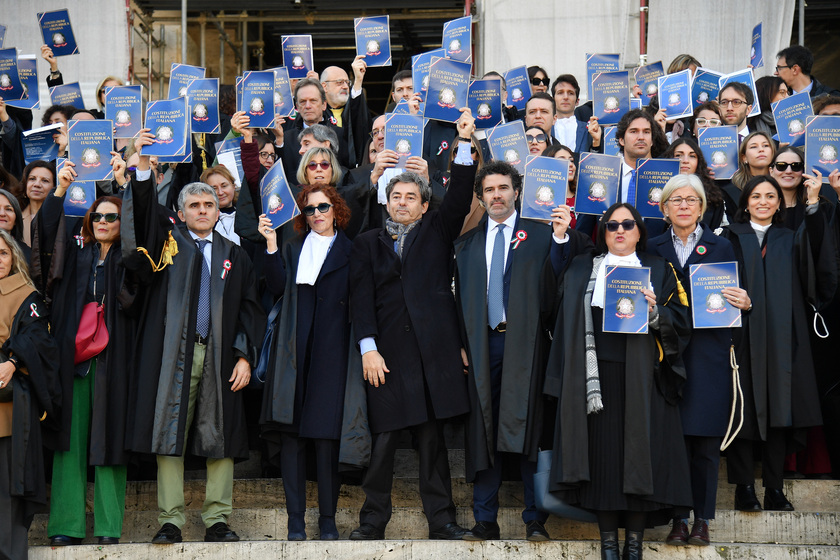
<point>794,528</point>
<point>413,550</point>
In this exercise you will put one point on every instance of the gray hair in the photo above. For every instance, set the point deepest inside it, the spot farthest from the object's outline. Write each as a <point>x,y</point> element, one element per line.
<point>321,133</point>
<point>411,177</point>
<point>195,189</point>
<point>678,182</point>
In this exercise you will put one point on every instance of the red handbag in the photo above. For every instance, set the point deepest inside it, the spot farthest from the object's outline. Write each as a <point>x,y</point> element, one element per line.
<point>92,335</point>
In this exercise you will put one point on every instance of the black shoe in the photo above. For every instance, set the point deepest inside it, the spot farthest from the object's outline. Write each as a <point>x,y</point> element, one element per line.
<point>449,532</point>
<point>220,532</point>
<point>679,533</point>
<point>168,534</point>
<point>774,500</point>
<point>633,545</point>
<point>745,499</point>
<point>297,527</point>
<point>109,540</point>
<point>64,540</point>
<point>483,531</point>
<point>367,532</point>
<point>535,531</point>
<point>609,545</point>
<point>699,533</point>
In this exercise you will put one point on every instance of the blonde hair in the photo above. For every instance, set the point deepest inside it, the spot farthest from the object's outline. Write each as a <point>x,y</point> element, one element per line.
<point>19,265</point>
<point>681,62</point>
<point>100,86</point>
<point>335,170</point>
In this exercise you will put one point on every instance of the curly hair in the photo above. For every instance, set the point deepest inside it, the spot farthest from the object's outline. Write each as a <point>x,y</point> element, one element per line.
<point>87,223</point>
<point>497,168</point>
<point>341,212</point>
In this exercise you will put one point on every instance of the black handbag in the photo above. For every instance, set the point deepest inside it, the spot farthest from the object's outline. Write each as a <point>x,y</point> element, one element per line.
<point>260,372</point>
<point>550,503</point>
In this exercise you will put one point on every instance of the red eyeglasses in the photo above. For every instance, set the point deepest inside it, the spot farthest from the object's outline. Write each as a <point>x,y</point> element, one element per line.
<point>313,165</point>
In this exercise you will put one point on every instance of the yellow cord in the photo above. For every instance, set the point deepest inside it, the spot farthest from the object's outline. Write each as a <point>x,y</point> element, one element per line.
<point>170,249</point>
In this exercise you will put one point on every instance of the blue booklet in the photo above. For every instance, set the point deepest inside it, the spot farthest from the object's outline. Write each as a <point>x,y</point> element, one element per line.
<point>180,77</point>
<point>297,55</point>
<point>186,158</point>
<point>67,94</point>
<point>449,81</point>
<point>675,94</point>
<point>39,144</point>
<point>79,198</point>
<point>647,79</point>
<point>278,203</point>
<point>704,86</point>
<point>457,39</point>
<point>719,145</point>
<point>756,54</point>
<point>611,145</point>
<point>484,99</point>
<point>543,186</point>
<point>745,77</point>
<point>89,146</point>
<point>373,40</point>
<point>635,103</point>
<point>790,114</point>
<point>597,63</point>
<point>168,120</point>
<point>709,309</point>
<point>625,306</point>
<point>610,96</point>
<point>57,32</point>
<point>284,102</point>
<point>599,177</point>
<point>11,86</point>
<point>124,106</point>
<point>203,101</point>
<point>420,64</point>
<point>402,108</point>
<point>258,98</point>
<point>651,176</point>
<point>28,75</point>
<point>2,35</point>
<point>404,135</point>
<point>518,87</point>
<point>229,154</point>
<point>822,144</point>
<point>507,143</point>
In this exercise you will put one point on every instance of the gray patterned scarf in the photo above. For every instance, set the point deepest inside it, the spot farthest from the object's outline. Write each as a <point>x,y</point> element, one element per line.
<point>399,232</point>
<point>594,402</point>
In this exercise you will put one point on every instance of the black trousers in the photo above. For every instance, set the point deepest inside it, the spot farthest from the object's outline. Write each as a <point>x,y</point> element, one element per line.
<point>13,526</point>
<point>704,461</point>
<point>435,483</point>
<point>740,465</point>
<point>293,468</point>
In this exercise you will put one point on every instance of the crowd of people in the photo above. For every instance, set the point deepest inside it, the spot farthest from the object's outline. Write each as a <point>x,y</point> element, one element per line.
<point>405,299</point>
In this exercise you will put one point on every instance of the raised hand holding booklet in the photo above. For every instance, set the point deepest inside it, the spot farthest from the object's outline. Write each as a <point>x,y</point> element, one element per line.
<point>284,103</point>
<point>484,99</point>
<point>39,144</point>
<point>597,63</point>
<point>822,145</point>
<point>457,39</point>
<point>719,145</point>
<point>373,40</point>
<point>404,135</point>
<point>67,94</point>
<point>57,32</point>
<point>651,177</point>
<point>507,143</point>
<point>79,197</point>
<point>599,177</point>
<point>124,106</point>
<point>278,203</point>
<point>420,64</point>
<point>11,86</point>
<point>625,306</point>
<point>518,87</point>
<point>709,309</point>
<point>28,75</point>
<point>168,120</point>
<point>203,101</point>
<point>297,55</point>
<point>544,186</point>
<point>180,77</point>
<point>449,81</point>
<point>647,80</point>
<point>258,98</point>
<point>611,146</point>
<point>790,114</point>
<point>611,96</point>
<point>745,77</point>
<point>705,86</point>
<point>675,94</point>
<point>756,54</point>
<point>89,146</point>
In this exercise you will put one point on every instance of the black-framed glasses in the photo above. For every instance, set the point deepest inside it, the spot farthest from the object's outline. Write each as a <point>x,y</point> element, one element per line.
<point>535,138</point>
<point>627,225</point>
<point>795,166</point>
<point>323,208</point>
<point>779,66</point>
<point>268,155</point>
<point>734,102</point>
<point>376,132</point>
<point>678,200</point>
<point>313,165</point>
<point>539,81</point>
<point>704,121</point>
<point>110,217</point>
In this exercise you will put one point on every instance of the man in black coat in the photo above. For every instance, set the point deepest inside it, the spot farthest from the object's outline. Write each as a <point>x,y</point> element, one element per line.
<point>405,322</point>
<point>347,108</point>
<point>794,65</point>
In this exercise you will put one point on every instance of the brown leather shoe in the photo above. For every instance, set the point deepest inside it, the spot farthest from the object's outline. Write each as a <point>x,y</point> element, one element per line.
<point>699,533</point>
<point>679,533</point>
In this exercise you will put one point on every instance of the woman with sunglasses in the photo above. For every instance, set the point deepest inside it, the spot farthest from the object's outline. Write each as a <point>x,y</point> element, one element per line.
<point>619,449</point>
<point>539,79</point>
<point>303,399</point>
<point>95,385</point>
<point>692,162</point>
<point>536,139</point>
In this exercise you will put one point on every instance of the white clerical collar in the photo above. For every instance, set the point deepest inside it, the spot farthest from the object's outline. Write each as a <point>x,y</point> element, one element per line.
<point>759,227</point>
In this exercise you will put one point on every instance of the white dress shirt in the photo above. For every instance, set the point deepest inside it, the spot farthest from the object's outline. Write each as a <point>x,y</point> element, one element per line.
<point>565,130</point>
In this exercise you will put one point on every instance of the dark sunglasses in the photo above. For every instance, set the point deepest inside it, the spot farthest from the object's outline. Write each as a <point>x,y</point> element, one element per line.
<point>627,225</point>
<point>313,165</point>
<point>538,138</point>
<point>539,82</point>
<point>323,208</point>
<point>794,166</point>
<point>110,217</point>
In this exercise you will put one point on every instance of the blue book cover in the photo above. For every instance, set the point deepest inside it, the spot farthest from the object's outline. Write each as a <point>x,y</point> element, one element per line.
<point>719,145</point>
<point>705,86</point>
<point>404,135</point>
<point>278,203</point>
<point>373,40</point>
<point>598,63</point>
<point>2,35</point>
<point>284,103</point>
<point>401,108</point>
<point>420,64</point>
<point>124,106</point>
<point>39,143</point>
<point>635,103</point>
<point>625,306</point>
<point>168,120</point>
<point>229,154</point>
<point>756,54</point>
<point>745,77</point>
<point>89,146</point>
<point>79,198</point>
<point>57,32</point>
<point>457,39</point>
<point>822,144</point>
<point>543,186</point>
<point>647,79</point>
<point>599,177</point>
<point>507,143</point>
<point>611,96</point>
<point>611,145</point>
<point>67,94</point>
<point>518,87</point>
<point>651,176</point>
<point>449,81</point>
<point>28,75</point>
<point>258,98</point>
<point>180,77</point>
<point>11,86</point>
<point>297,55</point>
<point>203,101</point>
<point>790,114</point>
<point>186,158</point>
<point>675,94</point>
<point>709,309</point>
<point>484,99</point>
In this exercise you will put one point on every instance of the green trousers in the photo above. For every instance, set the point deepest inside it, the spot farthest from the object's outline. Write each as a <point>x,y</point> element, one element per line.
<point>69,479</point>
<point>218,500</point>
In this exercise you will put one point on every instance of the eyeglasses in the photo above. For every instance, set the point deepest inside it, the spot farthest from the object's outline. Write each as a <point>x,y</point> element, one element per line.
<point>268,155</point>
<point>734,102</point>
<point>323,208</point>
<point>711,122</point>
<point>539,81</point>
<point>376,132</point>
<point>313,165</point>
<point>796,166</point>
<point>627,225</point>
<point>111,217</point>
<point>678,200</point>
<point>537,138</point>
<point>778,67</point>
<point>339,82</point>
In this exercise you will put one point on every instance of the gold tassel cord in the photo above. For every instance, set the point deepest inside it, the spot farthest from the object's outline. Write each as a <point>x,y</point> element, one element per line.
<point>170,249</point>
